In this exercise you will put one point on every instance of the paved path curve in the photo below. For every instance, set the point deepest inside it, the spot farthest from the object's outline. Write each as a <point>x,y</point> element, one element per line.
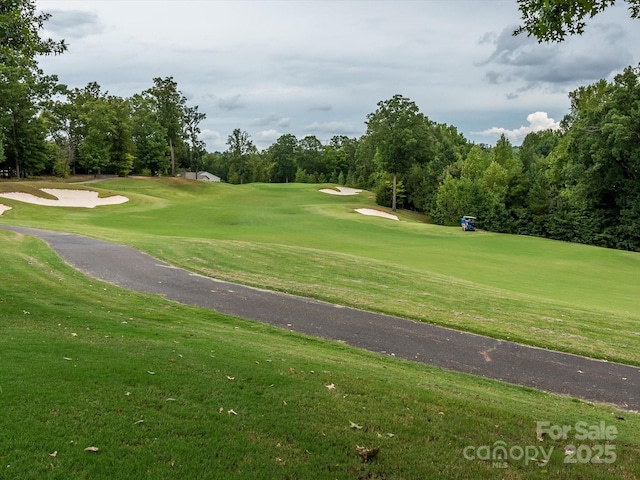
<point>566,374</point>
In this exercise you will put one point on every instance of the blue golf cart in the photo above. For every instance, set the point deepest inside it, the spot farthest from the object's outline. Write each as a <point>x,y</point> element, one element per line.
<point>468,223</point>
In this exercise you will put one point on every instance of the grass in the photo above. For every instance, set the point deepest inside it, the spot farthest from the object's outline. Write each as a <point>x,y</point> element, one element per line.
<point>292,238</point>
<point>165,390</point>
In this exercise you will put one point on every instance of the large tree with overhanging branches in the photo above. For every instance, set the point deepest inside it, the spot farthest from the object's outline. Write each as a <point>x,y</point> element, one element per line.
<point>554,20</point>
<point>398,131</point>
<point>23,86</point>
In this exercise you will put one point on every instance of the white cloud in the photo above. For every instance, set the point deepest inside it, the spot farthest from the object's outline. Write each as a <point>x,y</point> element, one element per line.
<point>268,136</point>
<point>213,139</point>
<point>538,121</point>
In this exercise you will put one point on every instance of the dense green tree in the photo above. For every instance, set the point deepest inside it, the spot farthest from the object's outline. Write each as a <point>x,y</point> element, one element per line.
<point>476,163</point>
<point>21,96</point>
<point>340,156</point>
<point>398,131</point>
<point>94,130</point>
<point>20,41</point>
<point>283,153</point>
<point>361,175</point>
<point>455,198</point>
<point>554,20</point>
<point>240,147</point>
<point>120,131</point>
<point>24,88</point>
<point>502,153</point>
<point>169,105</point>
<point>192,120</point>
<point>603,167</point>
<point>259,167</point>
<point>2,156</point>
<point>217,164</point>
<point>62,127</point>
<point>537,145</point>
<point>478,186</point>
<point>93,126</point>
<point>310,157</point>
<point>149,138</point>
<point>301,175</point>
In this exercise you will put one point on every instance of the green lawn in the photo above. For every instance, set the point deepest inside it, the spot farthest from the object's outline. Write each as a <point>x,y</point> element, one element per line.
<point>292,238</point>
<point>164,390</point>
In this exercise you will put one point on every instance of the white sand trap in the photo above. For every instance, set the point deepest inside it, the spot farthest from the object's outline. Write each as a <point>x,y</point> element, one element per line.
<point>376,213</point>
<point>67,198</point>
<point>4,208</point>
<point>341,191</point>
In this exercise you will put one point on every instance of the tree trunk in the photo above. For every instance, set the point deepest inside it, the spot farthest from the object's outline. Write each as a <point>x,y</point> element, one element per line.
<point>393,200</point>
<point>173,158</point>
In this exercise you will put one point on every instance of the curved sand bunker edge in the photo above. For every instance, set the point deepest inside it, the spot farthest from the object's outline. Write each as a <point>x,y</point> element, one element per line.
<point>66,198</point>
<point>341,191</point>
<point>377,213</point>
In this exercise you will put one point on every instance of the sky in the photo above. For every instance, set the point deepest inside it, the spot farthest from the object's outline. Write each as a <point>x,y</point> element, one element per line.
<point>307,67</point>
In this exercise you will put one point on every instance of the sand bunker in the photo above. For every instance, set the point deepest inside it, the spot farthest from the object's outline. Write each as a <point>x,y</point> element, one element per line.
<point>341,191</point>
<point>376,213</point>
<point>4,208</point>
<point>66,198</point>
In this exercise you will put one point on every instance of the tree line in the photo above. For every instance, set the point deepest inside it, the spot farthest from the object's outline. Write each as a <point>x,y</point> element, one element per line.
<point>578,183</point>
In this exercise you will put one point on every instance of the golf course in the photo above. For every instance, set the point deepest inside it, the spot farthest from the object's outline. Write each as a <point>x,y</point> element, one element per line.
<point>103,382</point>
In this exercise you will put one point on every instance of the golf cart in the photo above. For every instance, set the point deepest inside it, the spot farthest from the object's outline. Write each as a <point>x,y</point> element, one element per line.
<point>468,223</point>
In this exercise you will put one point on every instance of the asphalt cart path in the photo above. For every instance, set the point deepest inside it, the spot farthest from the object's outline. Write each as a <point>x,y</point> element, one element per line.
<point>561,373</point>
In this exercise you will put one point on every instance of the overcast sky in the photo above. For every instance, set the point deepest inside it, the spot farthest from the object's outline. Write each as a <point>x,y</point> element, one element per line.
<point>319,67</point>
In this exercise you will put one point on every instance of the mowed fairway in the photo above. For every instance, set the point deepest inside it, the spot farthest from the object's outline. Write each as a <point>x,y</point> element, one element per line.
<point>168,391</point>
<point>293,238</point>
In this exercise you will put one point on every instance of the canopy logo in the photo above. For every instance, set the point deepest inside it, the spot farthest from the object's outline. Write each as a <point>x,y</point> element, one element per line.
<point>500,454</point>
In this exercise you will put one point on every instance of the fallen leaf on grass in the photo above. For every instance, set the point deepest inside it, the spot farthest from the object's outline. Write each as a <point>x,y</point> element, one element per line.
<point>231,412</point>
<point>91,449</point>
<point>330,387</point>
<point>151,373</point>
<point>74,334</point>
<point>221,410</point>
<point>230,378</point>
<point>367,453</point>
<point>139,422</point>
<point>54,454</point>
<point>67,358</point>
<point>354,425</point>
